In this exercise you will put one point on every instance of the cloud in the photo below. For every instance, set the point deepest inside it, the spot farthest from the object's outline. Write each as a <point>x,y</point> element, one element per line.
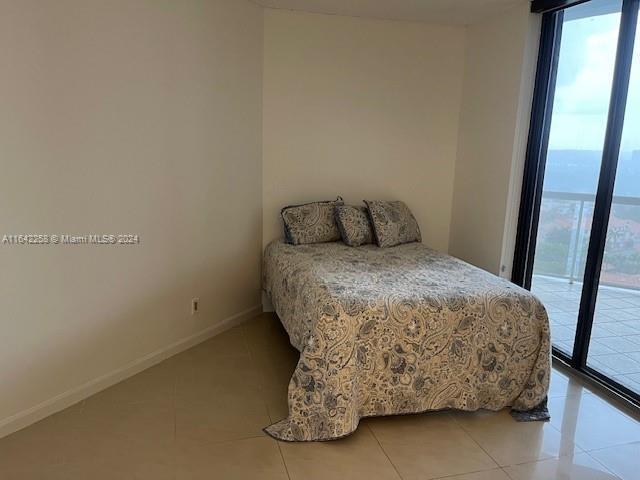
<point>585,76</point>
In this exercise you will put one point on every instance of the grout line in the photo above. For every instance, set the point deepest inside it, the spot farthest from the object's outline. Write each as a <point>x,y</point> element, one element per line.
<point>228,440</point>
<point>271,417</point>
<point>613,446</point>
<point>603,465</point>
<point>457,475</point>
<point>474,440</point>
<point>224,440</point>
<point>551,457</point>
<point>284,462</point>
<point>558,458</point>
<point>506,473</point>
<point>382,448</point>
<point>262,390</point>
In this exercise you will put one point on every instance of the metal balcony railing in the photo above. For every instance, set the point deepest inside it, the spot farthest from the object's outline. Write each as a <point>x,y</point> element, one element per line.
<point>584,202</point>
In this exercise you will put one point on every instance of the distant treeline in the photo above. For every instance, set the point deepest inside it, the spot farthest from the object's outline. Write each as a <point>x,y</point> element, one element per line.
<point>577,171</point>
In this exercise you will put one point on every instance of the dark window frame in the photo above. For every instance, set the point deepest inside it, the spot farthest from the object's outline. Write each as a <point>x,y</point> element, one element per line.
<point>545,6</point>
<point>531,196</point>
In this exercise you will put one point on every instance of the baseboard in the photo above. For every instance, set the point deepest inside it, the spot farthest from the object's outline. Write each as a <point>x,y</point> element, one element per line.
<point>31,415</point>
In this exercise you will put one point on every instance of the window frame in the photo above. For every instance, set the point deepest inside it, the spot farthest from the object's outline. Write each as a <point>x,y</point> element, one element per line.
<point>538,141</point>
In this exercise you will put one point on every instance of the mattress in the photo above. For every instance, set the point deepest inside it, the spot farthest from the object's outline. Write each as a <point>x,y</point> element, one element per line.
<point>400,330</point>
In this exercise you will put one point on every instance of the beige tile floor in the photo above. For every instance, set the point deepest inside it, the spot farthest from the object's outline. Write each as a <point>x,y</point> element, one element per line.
<point>614,348</point>
<point>199,415</point>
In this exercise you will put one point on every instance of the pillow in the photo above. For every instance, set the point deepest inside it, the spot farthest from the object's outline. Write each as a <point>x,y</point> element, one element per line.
<point>311,223</point>
<point>354,225</point>
<point>393,223</point>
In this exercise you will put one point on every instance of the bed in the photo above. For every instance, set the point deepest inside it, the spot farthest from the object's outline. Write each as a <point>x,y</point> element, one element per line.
<point>387,331</point>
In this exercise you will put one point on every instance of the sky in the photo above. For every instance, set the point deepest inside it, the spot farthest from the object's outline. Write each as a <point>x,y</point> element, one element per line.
<point>583,88</point>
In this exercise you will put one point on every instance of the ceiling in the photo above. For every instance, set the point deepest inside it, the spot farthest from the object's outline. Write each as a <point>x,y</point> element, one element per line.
<point>459,12</point>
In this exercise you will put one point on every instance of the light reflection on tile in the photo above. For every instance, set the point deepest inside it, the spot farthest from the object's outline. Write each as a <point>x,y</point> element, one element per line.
<point>591,422</point>
<point>577,467</point>
<point>563,385</point>
<point>509,442</point>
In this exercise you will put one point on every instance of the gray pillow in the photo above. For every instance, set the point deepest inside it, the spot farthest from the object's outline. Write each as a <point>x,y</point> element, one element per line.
<point>354,225</point>
<point>311,223</point>
<point>393,223</point>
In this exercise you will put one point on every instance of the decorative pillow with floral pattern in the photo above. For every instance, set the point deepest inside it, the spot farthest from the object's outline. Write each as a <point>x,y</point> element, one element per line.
<point>311,223</point>
<point>354,225</point>
<point>393,223</point>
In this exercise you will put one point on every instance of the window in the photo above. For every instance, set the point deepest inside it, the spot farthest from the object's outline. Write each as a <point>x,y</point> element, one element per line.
<point>578,245</point>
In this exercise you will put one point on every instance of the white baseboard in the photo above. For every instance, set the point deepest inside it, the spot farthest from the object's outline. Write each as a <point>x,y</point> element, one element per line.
<point>70,397</point>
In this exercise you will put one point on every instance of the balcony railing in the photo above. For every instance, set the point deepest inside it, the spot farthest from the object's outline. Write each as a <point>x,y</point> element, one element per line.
<point>570,266</point>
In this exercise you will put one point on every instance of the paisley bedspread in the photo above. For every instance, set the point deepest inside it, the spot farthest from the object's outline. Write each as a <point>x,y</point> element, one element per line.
<point>384,331</point>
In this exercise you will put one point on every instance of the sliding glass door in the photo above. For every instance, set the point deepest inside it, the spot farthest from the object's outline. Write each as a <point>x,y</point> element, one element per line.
<point>615,337</point>
<point>580,110</point>
<point>578,246</point>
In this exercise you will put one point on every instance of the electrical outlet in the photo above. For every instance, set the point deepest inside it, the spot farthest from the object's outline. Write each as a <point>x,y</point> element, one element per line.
<point>195,306</point>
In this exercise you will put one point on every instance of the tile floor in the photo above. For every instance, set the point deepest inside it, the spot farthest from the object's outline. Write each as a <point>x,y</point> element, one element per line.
<point>615,340</point>
<point>199,415</point>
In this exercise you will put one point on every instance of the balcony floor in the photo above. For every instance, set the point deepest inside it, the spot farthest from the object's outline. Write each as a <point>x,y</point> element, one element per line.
<point>615,340</point>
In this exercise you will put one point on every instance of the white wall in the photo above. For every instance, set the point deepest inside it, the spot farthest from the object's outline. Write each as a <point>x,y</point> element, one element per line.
<point>124,117</point>
<point>152,118</point>
<point>363,109</point>
<point>500,64</point>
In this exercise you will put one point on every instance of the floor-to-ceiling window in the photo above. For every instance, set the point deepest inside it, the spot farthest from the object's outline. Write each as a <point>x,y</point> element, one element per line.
<point>579,231</point>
